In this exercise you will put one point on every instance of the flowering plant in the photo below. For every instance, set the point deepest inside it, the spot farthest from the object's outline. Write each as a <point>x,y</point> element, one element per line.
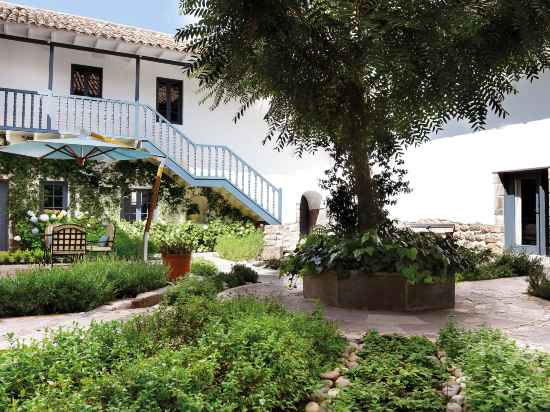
<point>30,228</point>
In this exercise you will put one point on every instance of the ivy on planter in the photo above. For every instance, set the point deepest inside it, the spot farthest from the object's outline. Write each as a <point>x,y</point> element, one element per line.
<point>420,258</point>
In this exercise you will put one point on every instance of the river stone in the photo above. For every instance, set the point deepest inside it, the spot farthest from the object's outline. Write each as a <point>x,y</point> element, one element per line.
<point>451,390</point>
<point>327,383</point>
<point>458,399</point>
<point>342,382</point>
<point>319,395</point>
<point>332,375</point>
<point>333,393</point>
<point>453,407</point>
<point>313,407</point>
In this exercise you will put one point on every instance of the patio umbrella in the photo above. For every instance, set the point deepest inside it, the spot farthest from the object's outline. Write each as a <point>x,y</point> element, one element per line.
<point>81,149</point>
<point>93,147</point>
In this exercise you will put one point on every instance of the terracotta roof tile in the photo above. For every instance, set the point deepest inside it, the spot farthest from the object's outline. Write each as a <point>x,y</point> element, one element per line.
<point>14,13</point>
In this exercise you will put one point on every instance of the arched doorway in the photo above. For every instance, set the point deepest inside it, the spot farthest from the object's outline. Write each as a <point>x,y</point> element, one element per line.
<point>305,225</point>
<point>310,204</point>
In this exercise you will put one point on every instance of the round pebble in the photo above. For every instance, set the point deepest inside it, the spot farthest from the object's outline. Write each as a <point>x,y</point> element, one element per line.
<point>342,382</point>
<point>332,375</point>
<point>313,407</point>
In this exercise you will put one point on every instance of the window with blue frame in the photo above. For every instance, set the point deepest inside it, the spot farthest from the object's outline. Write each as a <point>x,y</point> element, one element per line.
<point>54,196</point>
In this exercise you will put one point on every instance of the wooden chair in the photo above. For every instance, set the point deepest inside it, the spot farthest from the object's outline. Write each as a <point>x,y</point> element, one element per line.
<point>105,245</point>
<point>64,241</point>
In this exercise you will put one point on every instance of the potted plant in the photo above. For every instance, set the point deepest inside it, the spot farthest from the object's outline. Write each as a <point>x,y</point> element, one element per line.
<point>176,243</point>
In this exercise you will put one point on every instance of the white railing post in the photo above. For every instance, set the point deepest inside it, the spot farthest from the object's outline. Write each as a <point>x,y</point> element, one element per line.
<point>136,120</point>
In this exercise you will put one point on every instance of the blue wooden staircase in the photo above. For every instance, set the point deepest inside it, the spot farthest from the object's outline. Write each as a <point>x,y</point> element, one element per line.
<point>198,165</point>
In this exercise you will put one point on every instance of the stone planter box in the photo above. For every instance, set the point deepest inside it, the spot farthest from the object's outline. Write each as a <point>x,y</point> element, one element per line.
<point>378,291</point>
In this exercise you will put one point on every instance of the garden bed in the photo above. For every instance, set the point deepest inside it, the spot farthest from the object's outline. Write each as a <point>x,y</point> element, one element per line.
<point>378,291</point>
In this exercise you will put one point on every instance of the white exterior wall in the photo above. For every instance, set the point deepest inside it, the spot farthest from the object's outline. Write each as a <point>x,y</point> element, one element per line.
<point>25,66</point>
<point>453,178</point>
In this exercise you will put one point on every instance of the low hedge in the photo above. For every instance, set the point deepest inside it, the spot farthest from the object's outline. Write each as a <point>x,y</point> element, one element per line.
<point>194,354</point>
<point>78,288</point>
<point>500,376</point>
<point>237,247</point>
<point>22,257</point>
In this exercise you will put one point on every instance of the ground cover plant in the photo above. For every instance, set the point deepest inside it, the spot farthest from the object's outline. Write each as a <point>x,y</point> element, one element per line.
<point>395,373</point>
<point>194,354</point>
<point>240,247</point>
<point>420,258</point>
<point>499,375</point>
<point>78,288</point>
<point>22,257</point>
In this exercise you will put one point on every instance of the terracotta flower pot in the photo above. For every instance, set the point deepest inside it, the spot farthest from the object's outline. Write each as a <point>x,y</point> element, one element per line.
<point>179,265</point>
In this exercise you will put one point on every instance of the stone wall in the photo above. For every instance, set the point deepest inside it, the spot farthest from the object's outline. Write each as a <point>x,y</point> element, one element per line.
<point>474,235</point>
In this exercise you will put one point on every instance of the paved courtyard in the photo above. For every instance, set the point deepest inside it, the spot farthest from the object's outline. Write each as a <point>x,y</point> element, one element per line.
<point>501,303</point>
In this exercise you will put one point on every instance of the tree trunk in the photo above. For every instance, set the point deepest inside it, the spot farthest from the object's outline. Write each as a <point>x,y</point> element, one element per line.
<point>367,205</point>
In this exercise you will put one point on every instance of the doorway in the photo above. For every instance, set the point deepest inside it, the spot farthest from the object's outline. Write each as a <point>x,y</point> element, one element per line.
<point>526,212</point>
<point>4,241</point>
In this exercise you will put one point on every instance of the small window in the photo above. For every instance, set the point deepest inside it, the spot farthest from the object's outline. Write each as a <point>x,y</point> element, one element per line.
<point>135,206</point>
<point>86,81</point>
<point>54,196</point>
<point>170,99</point>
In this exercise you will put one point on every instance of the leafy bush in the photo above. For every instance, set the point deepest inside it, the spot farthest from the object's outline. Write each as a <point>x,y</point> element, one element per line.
<point>203,267</point>
<point>129,240</point>
<point>240,247</point>
<point>500,376</point>
<point>217,228</point>
<point>485,265</point>
<point>196,353</point>
<point>22,257</point>
<point>421,258</point>
<point>176,239</point>
<point>239,275</point>
<point>395,373</point>
<point>81,287</point>
<point>539,283</point>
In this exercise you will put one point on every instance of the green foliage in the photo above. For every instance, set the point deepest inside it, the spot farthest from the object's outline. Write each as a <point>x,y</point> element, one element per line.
<point>78,288</point>
<point>500,376</point>
<point>196,353</point>
<point>240,247</point>
<point>539,281</point>
<point>419,257</point>
<point>395,374</point>
<point>204,268</point>
<point>22,257</point>
<point>217,228</point>
<point>176,239</point>
<point>374,77</point>
<point>484,265</point>
<point>129,240</point>
<point>239,275</point>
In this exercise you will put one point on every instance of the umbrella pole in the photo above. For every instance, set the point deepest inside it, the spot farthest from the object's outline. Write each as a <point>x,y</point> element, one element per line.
<point>152,208</point>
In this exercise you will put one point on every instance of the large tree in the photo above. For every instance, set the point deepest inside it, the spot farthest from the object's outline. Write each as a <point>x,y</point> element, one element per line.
<point>364,79</point>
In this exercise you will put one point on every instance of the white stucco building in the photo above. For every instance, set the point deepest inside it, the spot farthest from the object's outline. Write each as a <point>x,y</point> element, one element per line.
<point>61,73</point>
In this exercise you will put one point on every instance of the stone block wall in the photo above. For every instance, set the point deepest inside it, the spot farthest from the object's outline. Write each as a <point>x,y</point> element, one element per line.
<point>474,235</point>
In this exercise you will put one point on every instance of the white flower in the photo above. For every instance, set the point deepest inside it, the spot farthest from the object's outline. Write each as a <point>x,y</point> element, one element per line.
<point>30,213</point>
<point>62,214</point>
<point>205,227</point>
<point>77,214</point>
<point>34,219</point>
<point>302,241</point>
<point>35,231</point>
<point>44,217</point>
<point>53,217</point>
<point>17,238</point>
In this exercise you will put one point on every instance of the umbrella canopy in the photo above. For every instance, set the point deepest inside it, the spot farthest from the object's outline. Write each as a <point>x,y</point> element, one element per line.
<point>80,149</point>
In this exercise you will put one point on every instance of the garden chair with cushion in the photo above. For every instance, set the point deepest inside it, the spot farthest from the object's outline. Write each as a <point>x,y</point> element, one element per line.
<point>105,243</point>
<point>64,242</point>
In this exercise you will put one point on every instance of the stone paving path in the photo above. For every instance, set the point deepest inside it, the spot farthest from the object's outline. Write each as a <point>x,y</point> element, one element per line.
<point>501,303</point>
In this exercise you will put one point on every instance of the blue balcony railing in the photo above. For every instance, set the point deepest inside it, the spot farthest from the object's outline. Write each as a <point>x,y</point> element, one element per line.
<point>34,112</point>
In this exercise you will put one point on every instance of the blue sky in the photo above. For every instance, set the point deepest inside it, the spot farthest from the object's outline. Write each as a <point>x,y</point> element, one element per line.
<point>159,15</point>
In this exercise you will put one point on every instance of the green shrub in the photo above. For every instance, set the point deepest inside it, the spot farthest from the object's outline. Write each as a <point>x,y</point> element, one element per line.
<point>22,257</point>
<point>500,376</point>
<point>196,353</point>
<point>239,275</point>
<point>240,247</point>
<point>80,287</point>
<point>395,373</point>
<point>203,267</point>
<point>419,257</point>
<point>539,283</point>
<point>509,264</point>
